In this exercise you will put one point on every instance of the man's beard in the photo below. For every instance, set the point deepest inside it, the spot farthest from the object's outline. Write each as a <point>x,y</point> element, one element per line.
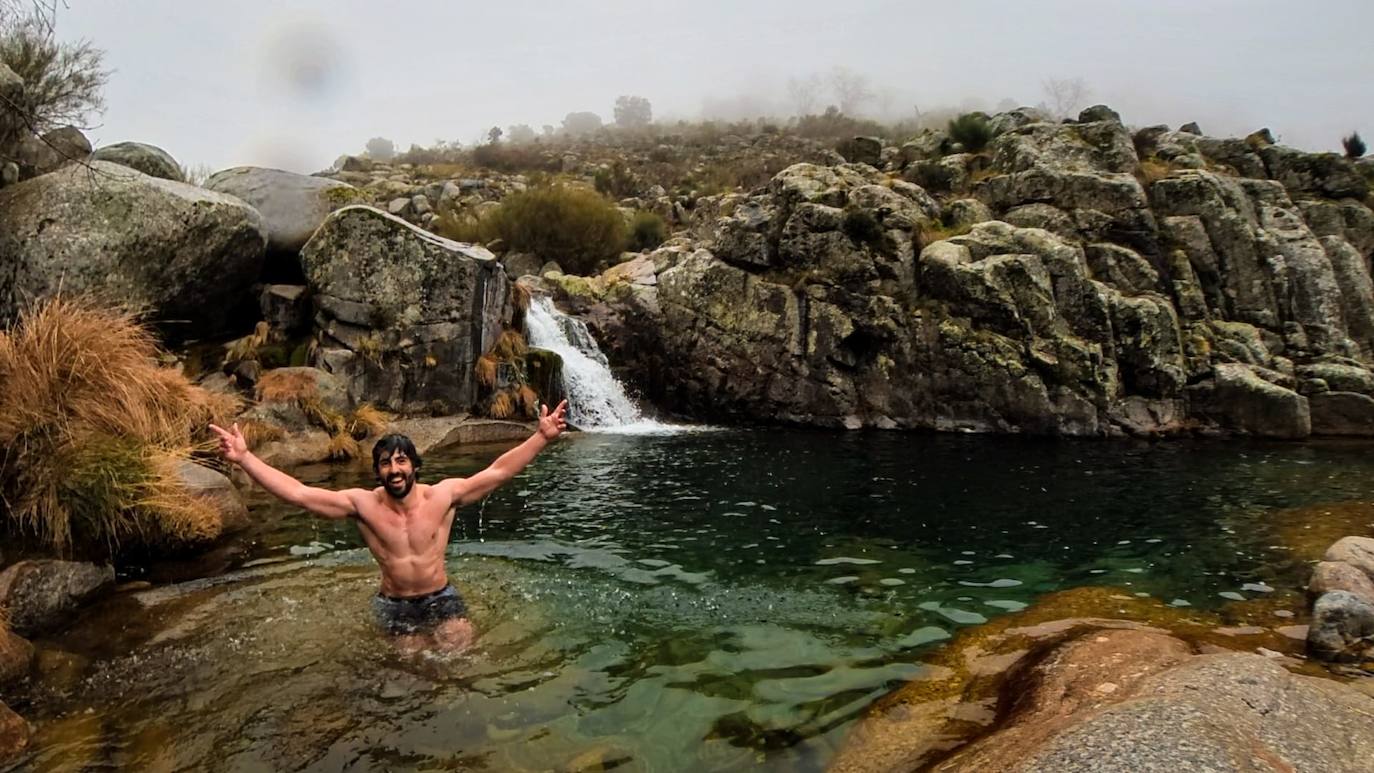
<point>399,489</point>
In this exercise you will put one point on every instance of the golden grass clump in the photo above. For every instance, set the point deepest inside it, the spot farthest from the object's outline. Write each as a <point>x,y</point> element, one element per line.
<point>246,348</point>
<point>256,433</point>
<point>510,346</point>
<point>529,400</point>
<point>343,447</point>
<point>520,297</point>
<point>502,406</point>
<point>286,386</point>
<point>367,420</point>
<point>485,369</point>
<point>93,429</point>
<point>1152,170</point>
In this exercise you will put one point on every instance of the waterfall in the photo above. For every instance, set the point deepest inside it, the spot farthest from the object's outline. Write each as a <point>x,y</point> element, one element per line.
<point>596,400</point>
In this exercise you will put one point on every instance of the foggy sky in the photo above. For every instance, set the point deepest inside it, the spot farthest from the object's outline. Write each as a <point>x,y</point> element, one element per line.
<point>295,83</point>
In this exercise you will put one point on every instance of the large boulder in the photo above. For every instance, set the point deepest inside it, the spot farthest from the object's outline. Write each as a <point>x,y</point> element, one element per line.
<point>1242,400</point>
<point>11,126</point>
<point>1342,413</point>
<point>180,252</point>
<point>16,655</point>
<point>292,205</point>
<point>402,314</point>
<point>1338,575</point>
<point>38,155</point>
<point>14,734</point>
<point>1356,551</point>
<point>1223,712</point>
<point>1342,628</point>
<point>38,596</point>
<point>148,159</point>
<point>214,488</point>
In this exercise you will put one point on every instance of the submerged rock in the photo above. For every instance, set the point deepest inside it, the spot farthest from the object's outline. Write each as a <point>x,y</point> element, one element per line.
<point>39,595</point>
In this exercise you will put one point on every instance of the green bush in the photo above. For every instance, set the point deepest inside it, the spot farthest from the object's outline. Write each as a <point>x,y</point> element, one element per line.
<point>509,158</point>
<point>647,231</point>
<point>576,227</point>
<point>972,130</point>
<point>1354,146</point>
<point>616,181</point>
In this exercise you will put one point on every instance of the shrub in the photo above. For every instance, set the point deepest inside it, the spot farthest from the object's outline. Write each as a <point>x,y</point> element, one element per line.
<point>616,181</point>
<point>972,130</point>
<point>509,158</point>
<point>381,149</point>
<point>1354,146</point>
<point>93,431</point>
<point>647,231</point>
<point>576,227</point>
<point>62,81</point>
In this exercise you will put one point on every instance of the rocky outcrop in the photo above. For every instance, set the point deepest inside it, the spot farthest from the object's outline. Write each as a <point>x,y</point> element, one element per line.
<point>1223,712</point>
<point>148,159</point>
<point>292,205</point>
<point>38,596</point>
<point>183,253</point>
<point>1073,279</point>
<point>402,315</point>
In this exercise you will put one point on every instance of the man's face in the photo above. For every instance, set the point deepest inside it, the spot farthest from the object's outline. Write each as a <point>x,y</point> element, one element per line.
<point>396,474</point>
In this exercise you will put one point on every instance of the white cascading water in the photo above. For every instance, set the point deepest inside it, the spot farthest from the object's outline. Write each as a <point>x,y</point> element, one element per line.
<point>596,400</point>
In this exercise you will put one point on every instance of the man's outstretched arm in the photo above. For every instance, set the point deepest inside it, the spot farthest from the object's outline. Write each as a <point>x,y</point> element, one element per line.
<point>322,502</point>
<point>464,491</point>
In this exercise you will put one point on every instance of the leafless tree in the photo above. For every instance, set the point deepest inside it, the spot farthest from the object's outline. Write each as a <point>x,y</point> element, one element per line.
<point>851,89</point>
<point>1065,96</point>
<point>804,93</point>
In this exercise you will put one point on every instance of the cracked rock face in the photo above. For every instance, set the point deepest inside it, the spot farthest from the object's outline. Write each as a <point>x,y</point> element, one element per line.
<point>401,314</point>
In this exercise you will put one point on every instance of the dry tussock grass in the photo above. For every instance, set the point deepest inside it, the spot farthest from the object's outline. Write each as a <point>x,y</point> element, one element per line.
<point>286,386</point>
<point>502,406</point>
<point>529,400</point>
<point>343,447</point>
<point>92,430</point>
<point>510,346</point>
<point>485,369</point>
<point>256,433</point>
<point>367,420</point>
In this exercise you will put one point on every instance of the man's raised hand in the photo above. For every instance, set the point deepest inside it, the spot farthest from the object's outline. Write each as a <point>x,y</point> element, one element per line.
<point>231,442</point>
<point>551,425</point>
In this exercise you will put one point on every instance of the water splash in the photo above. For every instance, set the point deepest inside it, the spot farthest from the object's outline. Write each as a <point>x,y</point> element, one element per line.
<point>596,400</point>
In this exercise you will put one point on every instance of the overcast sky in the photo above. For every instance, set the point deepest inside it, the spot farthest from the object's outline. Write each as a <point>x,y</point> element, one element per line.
<point>293,84</point>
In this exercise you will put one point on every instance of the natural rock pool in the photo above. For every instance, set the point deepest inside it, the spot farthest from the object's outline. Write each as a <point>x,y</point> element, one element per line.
<point>699,601</point>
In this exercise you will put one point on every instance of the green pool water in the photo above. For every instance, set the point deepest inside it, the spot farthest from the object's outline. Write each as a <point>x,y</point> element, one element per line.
<point>721,600</point>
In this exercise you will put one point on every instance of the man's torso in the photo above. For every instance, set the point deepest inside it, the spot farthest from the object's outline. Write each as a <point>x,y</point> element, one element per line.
<point>409,545</point>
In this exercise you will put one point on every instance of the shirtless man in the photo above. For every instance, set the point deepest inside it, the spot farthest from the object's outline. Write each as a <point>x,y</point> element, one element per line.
<point>405,524</point>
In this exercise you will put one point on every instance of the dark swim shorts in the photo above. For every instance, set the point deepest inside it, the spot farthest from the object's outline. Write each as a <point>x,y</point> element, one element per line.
<point>418,614</point>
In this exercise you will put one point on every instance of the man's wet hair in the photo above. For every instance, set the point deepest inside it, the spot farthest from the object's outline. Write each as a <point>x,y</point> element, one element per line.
<point>390,444</point>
